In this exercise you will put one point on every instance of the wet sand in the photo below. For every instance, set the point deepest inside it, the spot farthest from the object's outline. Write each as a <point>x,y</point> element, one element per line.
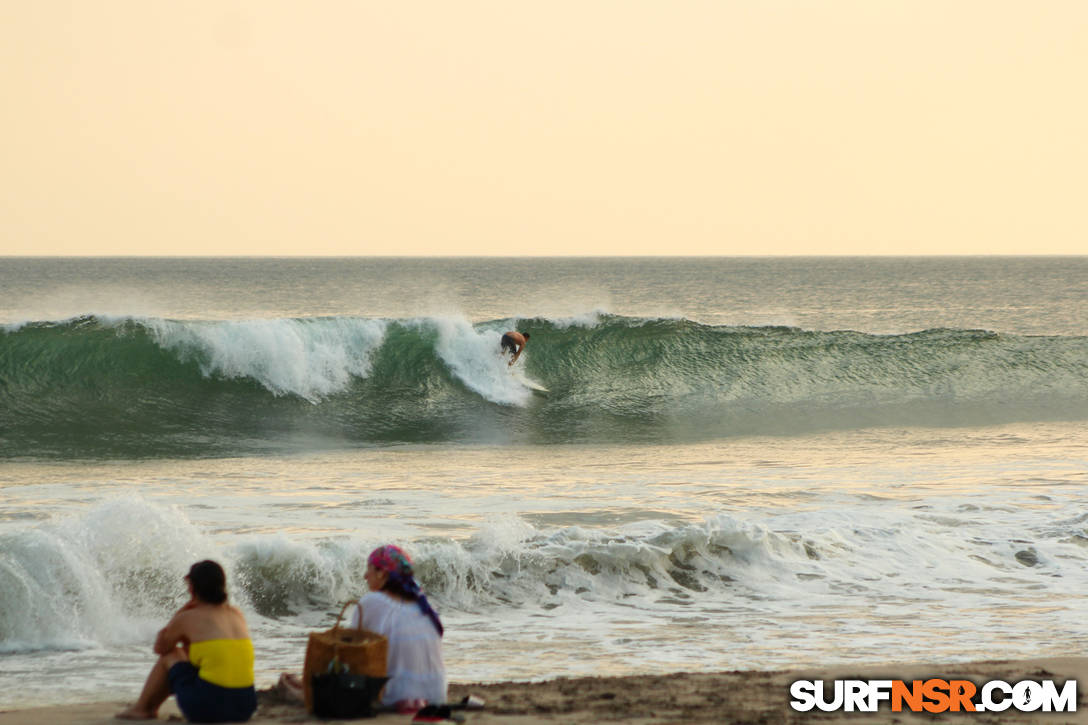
<point>748,697</point>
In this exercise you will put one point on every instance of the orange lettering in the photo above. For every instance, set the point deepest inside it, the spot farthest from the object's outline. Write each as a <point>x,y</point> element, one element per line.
<point>961,693</point>
<point>912,695</point>
<point>935,690</point>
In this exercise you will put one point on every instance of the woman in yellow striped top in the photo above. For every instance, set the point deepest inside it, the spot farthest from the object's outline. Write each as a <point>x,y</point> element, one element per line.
<point>206,657</point>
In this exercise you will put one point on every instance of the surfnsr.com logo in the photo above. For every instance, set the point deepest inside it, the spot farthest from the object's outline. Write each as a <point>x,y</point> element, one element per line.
<point>933,695</point>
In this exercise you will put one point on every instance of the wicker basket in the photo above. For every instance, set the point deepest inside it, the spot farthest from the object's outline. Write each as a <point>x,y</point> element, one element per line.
<point>363,651</point>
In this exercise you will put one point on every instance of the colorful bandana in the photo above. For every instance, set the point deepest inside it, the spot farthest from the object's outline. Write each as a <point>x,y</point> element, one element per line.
<point>395,562</point>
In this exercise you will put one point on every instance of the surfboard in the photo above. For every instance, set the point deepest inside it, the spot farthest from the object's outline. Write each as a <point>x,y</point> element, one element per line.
<point>535,386</point>
<point>531,384</point>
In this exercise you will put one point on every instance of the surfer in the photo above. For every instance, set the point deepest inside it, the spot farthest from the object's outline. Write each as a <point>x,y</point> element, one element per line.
<point>515,343</point>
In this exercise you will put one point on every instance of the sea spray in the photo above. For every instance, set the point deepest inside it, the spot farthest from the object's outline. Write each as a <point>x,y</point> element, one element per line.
<point>111,575</point>
<point>148,388</point>
<point>283,577</point>
<point>473,357</point>
<point>311,358</point>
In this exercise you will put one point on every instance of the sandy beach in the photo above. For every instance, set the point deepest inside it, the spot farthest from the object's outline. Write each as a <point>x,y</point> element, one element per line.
<point>721,697</point>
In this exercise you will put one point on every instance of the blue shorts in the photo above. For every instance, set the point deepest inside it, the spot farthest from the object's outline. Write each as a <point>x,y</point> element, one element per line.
<point>201,701</point>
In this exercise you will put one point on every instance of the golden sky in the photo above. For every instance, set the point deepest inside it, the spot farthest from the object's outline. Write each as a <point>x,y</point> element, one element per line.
<point>552,128</point>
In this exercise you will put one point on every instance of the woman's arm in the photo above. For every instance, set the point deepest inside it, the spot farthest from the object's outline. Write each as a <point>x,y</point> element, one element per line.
<point>174,633</point>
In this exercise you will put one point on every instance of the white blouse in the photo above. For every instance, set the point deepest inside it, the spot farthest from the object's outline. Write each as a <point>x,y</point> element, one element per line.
<point>414,665</point>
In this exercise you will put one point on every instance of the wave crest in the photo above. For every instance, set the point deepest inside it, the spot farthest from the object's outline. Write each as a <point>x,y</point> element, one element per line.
<point>150,387</point>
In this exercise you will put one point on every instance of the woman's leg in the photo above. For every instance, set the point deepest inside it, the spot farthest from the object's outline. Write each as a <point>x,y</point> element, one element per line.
<point>156,689</point>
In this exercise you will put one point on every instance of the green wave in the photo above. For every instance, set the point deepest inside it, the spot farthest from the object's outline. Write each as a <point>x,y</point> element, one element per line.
<point>93,387</point>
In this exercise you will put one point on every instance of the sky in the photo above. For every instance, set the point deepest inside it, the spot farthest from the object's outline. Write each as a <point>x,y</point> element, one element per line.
<point>584,127</point>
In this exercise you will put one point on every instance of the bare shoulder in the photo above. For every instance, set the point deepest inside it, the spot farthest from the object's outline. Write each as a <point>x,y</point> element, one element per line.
<point>206,622</point>
<point>178,629</point>
<point>241,629</point>
<point>182,618</point>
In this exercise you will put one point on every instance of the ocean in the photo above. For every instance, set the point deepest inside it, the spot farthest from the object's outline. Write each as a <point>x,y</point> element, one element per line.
<point>740,463</point>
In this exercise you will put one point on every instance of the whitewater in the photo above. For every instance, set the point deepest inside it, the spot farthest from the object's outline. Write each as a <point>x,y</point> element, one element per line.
<point>152,386</point>
<point>739,464</point>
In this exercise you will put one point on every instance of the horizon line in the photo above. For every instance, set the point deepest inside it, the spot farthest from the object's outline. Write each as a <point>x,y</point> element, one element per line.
<point>547,256</point>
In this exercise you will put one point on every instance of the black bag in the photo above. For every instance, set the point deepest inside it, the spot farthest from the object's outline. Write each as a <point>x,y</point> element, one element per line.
<point>344,695</point>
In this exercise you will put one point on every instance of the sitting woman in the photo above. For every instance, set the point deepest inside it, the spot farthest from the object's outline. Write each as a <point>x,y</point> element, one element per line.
<point>396,608</point>
<point>206,657</point>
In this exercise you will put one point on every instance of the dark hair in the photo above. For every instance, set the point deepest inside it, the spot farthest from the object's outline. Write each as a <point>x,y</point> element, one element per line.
<point>209,582</point>
<point>393,587</point>
<point>526,335</point>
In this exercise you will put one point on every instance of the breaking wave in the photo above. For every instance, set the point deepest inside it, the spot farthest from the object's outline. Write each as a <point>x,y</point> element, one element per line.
<point>97,386</point>
<point>106,577</point>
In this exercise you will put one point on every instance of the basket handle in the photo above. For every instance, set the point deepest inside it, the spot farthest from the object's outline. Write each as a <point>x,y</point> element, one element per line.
<point>336,627</point>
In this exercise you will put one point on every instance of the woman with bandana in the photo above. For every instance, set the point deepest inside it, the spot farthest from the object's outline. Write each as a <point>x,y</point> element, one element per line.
<point>396,608</point>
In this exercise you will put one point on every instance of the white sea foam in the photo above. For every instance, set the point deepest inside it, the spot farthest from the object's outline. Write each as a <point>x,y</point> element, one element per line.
<point>749,584</point>
<point>282,576</point>
<point>311,358</point>
<point>117,569</point>
<point>907,542</point>
<point>108,576</point>
<point>473,356</point>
